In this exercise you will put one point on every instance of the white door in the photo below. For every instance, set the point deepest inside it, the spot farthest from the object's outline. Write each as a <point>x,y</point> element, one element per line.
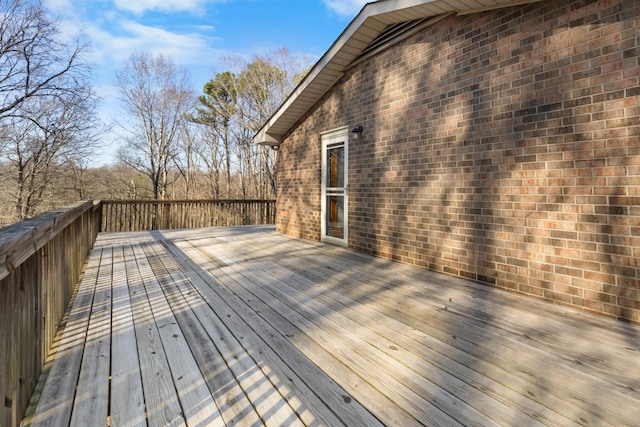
<point>334,186</point>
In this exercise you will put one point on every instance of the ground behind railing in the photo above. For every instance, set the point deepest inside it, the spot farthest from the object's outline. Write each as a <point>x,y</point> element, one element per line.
<point>42,260</point>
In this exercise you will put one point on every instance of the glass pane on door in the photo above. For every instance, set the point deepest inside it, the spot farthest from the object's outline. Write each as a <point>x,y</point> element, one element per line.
<point>335,191</point>
<point>335,212</point>
<point>335,216</point>
<point>335,166</point>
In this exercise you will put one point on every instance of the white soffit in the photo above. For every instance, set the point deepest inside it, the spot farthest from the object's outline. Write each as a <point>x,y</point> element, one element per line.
<point>372,20</point>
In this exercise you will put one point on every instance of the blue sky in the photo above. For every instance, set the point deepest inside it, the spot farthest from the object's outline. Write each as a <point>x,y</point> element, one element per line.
<point>196,34</point>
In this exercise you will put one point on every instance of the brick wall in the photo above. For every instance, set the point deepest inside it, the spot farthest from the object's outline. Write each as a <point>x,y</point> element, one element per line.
<point>502,147</point>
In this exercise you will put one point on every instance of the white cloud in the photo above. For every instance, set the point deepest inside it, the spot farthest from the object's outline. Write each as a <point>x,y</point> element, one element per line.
<point>118,28</point>
<point>205,27</point>
<point>183,48</point>
<point>113,39</point>
<point>141,6</point>
<point>348,8</point>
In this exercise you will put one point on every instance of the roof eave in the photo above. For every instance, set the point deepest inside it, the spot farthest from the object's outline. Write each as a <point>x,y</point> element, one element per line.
<point>263,138</point>
<point>317,71</point>
<point>362,30</point>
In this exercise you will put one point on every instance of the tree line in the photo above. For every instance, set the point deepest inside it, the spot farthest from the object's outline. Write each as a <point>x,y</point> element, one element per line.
<point>174,143</point>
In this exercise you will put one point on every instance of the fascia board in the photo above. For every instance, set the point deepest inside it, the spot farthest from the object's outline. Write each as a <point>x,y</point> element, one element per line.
<point>366,26</point>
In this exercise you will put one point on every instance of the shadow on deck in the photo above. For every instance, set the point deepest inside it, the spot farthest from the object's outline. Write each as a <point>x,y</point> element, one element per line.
<point>242,325</point>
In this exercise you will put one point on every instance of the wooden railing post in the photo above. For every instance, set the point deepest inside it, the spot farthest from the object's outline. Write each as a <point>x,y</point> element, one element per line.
<point>97,217</point>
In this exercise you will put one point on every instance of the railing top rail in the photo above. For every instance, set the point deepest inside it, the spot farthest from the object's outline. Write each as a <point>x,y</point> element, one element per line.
<point>21,240</point>
<point>170,201</point>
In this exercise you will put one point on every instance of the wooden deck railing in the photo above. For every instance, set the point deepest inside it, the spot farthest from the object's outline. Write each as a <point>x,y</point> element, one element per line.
<point>41,261</point>
<point>138,215</point>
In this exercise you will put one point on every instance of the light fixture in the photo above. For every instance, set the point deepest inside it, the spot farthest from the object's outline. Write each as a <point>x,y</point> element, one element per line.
<point>274,147</point>
<point>357,131</point>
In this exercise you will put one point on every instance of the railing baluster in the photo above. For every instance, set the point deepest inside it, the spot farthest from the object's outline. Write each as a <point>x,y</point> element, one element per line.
<point>139,215</point>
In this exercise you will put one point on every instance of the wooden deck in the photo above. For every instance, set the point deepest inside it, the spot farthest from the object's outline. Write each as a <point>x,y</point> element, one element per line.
<point>245,326</point>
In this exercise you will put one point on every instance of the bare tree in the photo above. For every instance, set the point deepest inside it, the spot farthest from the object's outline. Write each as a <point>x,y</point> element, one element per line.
<point>155,93</point>
<point>50,132</point>
<point>120,181</point>
<point>234,107</point>
<point>33,62</point>
<point>188,160</point>
<point>217,111</point>
<point>211,154</point>
<point>265,83</point>
<point>47,107</point>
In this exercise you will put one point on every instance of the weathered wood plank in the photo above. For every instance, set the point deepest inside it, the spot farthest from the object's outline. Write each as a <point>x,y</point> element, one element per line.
<point>388,335</point>
<point>375,333</point>
<point>468,336</point>
<point>428,402</point>
<point>161,399</point>
<point>91,400</point>
<point>41,259</point>
<point>339,338</point>
<point>198,407</point>
<point>56,400</point>
<point>127,396</point>
<point>211,344</point>
<point>283,323</point>
<point>8,306</point>
<point>278,357</point>
<point>472,337</point>
<point>270,343</point>
<point>520,319</point>
<point>268,402</point>
<point>21,240</point>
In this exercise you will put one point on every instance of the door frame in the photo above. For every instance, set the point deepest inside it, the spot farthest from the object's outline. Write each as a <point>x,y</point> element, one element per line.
<point>336,136</point>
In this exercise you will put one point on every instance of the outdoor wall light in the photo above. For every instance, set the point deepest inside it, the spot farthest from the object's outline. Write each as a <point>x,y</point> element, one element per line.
<point>356,132</point>
<point>274,147</point>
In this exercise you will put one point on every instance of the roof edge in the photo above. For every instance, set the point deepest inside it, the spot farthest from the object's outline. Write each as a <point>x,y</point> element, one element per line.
<point>369,23</point>
<point>263,138</point>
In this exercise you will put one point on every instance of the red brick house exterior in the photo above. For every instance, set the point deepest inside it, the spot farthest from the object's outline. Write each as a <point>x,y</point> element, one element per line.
<point>501,146</point>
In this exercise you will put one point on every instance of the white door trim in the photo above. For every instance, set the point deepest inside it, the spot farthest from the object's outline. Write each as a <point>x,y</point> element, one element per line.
<point>332,139</point>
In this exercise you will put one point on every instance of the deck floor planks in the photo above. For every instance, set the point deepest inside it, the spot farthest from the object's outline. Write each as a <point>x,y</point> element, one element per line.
<point>530,326</point>
<point>267,400</point>
<point>161,399</point>
<point>320,324</point>
<point>198,407</point>
<point>428,400</point>
<point>274,325</point>
<point>127,396</point>
<point>232,357</point>
<point>212,343</point>
<point>524,355</point>
<point>278,352</point>
<point>582,397</point>
<point>297,395</point>
<point>90,406</point>
<point>342,305</point>
<point>328,358</point>
<point>57,396</point>
<point>378,330</point>
<point>376,319</point>
<point>471,337</point>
